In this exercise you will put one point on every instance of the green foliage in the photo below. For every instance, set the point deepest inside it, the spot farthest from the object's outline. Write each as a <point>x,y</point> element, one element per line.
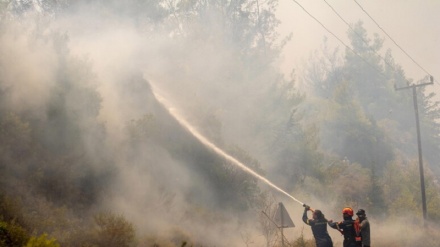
<point>292,145</point>
<point>15,135</point>
<point>402,191</point>
<point>3,7</point>
<point>73,106</point>
<point>429,114</point>
<point>244,185</point>
<point>12,235</point>
<point>249,26</point>
<point>350,133</point>
<point>353,183</point>
<point>10,209</point>
<point>49,153</point>
<point>376,197</point>
<point>42,241</point>
<point>113,230</point>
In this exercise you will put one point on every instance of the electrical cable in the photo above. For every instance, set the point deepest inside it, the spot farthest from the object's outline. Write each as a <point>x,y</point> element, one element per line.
<point>362,38</point>
<point>351,49</point>
<point>377,24</point>
<point>365,42</point>
<point>342,42</point>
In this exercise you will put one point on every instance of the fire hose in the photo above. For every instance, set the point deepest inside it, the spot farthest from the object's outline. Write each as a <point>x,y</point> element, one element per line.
<point>312,210</point>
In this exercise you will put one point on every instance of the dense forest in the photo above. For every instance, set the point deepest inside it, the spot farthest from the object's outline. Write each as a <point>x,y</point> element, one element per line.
<point>90,157</point>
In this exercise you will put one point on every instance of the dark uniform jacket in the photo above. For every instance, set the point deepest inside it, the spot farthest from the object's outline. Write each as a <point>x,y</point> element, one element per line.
<point>319,229</point>
<point>347,229</point>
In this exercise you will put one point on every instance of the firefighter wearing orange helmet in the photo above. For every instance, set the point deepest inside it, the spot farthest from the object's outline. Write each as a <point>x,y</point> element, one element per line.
<point>346,227</point>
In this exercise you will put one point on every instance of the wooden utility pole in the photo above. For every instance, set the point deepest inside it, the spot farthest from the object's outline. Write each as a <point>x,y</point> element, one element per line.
<point>419,142</point>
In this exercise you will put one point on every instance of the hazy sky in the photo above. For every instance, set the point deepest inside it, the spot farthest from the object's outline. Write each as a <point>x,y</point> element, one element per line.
<point>412,24</point>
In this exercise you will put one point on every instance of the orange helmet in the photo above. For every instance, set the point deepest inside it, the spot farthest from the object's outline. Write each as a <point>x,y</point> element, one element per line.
<point>348,211</point>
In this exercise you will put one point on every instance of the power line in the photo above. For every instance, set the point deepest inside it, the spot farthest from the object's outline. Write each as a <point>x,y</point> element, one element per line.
<point>334,35</point>
<point>360,36</point>
<point>351,49</point>
<point>362,8</point>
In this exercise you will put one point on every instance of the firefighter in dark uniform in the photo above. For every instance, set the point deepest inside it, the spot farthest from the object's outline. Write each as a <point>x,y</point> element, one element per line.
<point>319,227</point>
<point>364,227</point>
<point>346,227</point>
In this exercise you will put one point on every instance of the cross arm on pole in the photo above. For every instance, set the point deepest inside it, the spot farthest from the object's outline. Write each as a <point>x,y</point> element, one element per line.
<point>431,81</point>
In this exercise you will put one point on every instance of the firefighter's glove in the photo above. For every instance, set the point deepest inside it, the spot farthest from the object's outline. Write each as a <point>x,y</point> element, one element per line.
<point>306,207</point>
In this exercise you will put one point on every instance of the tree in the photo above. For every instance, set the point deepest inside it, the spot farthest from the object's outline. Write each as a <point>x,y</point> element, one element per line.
<point>349,132</point>
<point>429,111</point>
<point>113,230</point>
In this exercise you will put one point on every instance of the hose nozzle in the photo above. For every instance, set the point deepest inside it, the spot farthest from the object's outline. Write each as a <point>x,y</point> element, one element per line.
<point>307,207</point>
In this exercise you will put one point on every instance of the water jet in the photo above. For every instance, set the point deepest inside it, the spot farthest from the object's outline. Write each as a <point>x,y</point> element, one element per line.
<point>183,122</point>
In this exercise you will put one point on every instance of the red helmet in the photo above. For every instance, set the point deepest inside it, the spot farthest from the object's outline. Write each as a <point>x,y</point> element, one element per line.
<point>348,211</point>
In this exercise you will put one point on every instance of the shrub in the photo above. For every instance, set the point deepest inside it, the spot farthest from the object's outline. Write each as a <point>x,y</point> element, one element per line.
<point>113,230</point>
<point>12,234</point>
<point>42,241</point>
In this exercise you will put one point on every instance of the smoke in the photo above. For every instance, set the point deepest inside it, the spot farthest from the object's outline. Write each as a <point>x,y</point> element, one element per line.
<point>21,52</point>
<point>83,77</point>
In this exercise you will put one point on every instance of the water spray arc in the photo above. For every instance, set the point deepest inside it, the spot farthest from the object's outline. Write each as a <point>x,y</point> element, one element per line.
<point>162,100</point>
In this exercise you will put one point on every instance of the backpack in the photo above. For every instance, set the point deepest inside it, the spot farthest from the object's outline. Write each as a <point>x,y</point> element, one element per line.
<point>357,229</point>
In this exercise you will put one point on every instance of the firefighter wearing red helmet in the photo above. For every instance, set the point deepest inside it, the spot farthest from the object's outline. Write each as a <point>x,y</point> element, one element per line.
<point>346,227</point>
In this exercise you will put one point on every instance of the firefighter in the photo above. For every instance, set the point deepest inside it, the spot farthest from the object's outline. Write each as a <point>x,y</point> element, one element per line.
<point>364,227</point>
<point>319,227</point>
<point>346,227</point>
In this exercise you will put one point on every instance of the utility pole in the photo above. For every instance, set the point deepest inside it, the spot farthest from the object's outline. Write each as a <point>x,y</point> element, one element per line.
<point>419,142</point>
